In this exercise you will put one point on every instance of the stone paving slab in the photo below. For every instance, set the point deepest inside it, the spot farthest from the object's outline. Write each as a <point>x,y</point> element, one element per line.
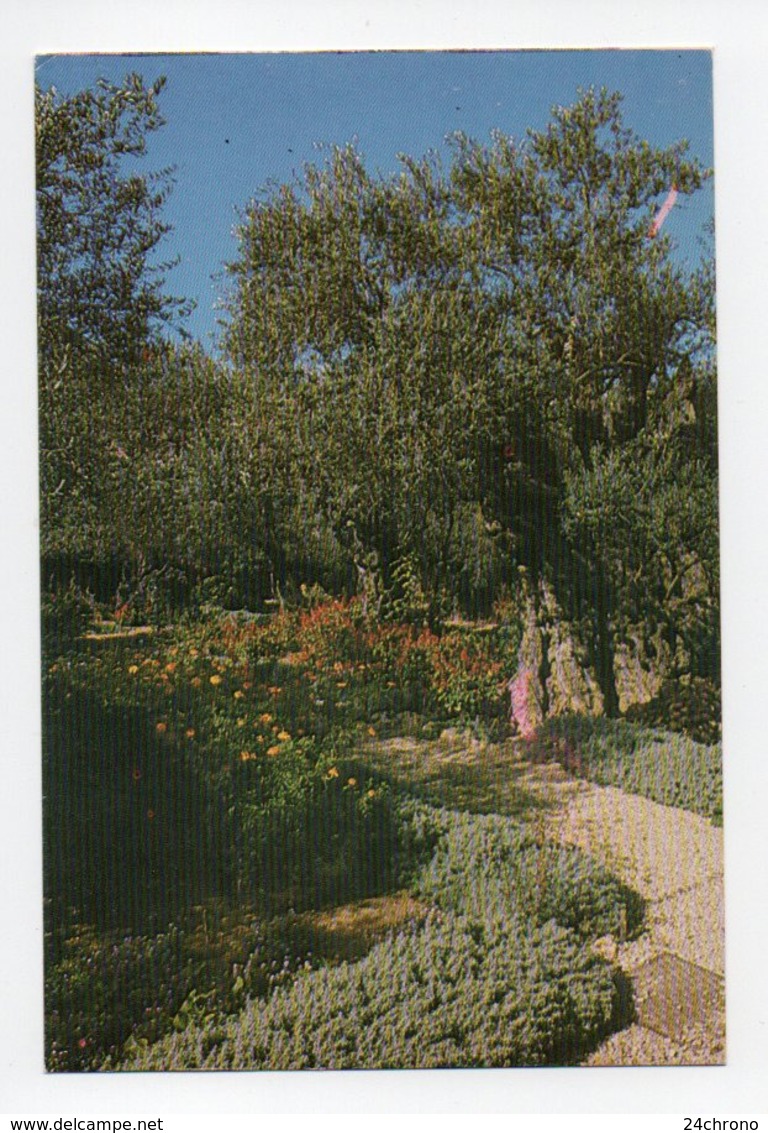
<point>674,859</point>
<point>674,997</point>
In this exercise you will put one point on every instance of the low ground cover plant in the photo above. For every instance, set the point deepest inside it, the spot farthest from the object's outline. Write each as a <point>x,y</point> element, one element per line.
<point>498,975</point>
<point>515,872</point>
<point>455,993</point>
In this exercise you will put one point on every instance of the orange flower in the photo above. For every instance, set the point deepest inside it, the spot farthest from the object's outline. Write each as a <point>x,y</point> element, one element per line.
<point>136,774</point>
<point>150,813</point>
<point>190,733</point>
<point>265,718</point>
<point>351,782</point>
<point>332,773</point>
<point>162,727</point>
<point>283,736</point>
<point>170,667</point>
<point>274,750</point>
<point>371,731</point>
<point>245,756</point>
<point>274,690</point>
<point>196,682</point>
<point>371,793</point>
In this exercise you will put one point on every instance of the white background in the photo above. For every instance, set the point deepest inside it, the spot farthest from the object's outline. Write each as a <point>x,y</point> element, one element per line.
<point>738,33</point>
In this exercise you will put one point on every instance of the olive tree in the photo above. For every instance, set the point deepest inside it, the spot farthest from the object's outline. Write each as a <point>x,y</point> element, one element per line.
<point>495,342</point>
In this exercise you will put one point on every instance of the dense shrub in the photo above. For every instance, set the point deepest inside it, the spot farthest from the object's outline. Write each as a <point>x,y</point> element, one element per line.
<point>668,768</point>
<point>487,866</point>
<point>65,611</point>
<point>499,974</point>
<point>100,990</point>
<point>457,674</point>
<point>457,992</point>
<point>339,841</point>
<point>692,708</point>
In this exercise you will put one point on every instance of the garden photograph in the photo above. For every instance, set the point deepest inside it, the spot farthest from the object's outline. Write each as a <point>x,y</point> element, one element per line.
<point>379,561</point>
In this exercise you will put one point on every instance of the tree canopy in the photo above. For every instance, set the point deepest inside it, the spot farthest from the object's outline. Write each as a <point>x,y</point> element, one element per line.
<point>486,351</point>
<point>476,365</point>
<point>102,302</point>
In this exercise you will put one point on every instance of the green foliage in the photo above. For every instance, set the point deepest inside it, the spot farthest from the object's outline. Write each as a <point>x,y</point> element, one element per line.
<point>514,874</point>
<point>407,604</point>
<point>65,613</point>
<point>669,768</point>
<point>431,380</point>
<point>692,708</point>
<point>456,993</point>
<point>461,360</point>
<point>100,990</point>
<point>649,511</point>
<point>99,288</point>
<point>493,978</point>
<point>101,296</point>
<point>338,841</point>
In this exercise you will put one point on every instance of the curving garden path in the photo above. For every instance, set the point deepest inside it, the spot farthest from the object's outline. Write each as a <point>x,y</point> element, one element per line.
<point>674,859</point>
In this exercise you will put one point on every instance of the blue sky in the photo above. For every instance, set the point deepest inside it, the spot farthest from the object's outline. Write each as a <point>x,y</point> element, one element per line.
<point>235,122</point>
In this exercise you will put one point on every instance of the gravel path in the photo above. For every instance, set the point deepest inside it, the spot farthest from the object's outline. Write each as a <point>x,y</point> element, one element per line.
<point>674,859</point>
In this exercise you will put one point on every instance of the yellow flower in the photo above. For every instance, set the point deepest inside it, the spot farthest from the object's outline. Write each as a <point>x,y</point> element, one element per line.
<point>245,756</point>
<point>283,736</point>
<point>215,679</point>
<point>371,731</point>
<point>241,721</point>
<point>333,773</point>
<point>341,684</point>
<point>274,750</point>
<point>133,669</point>
<point>351,782</point>
<point>371,793</point>
<point>265,718</point>
<point>238,694</point>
